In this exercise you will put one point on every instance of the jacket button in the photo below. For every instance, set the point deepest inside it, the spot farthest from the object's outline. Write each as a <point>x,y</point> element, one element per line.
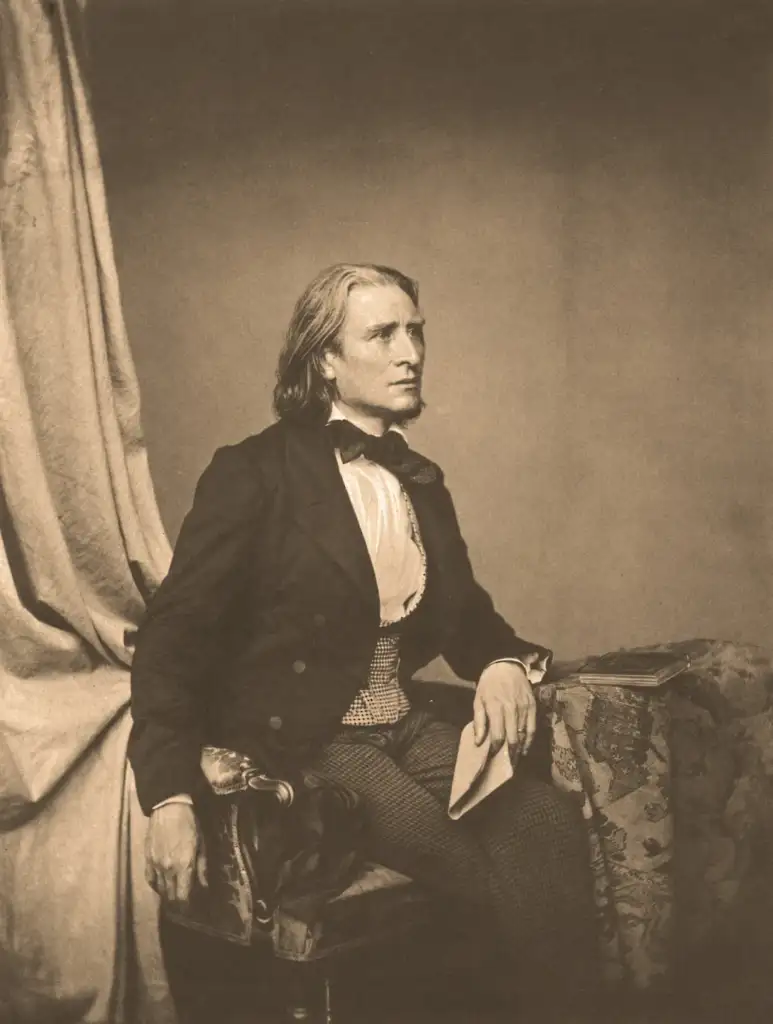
<point>299,667</point>
<point>319,619</point>
<point>275,722</point>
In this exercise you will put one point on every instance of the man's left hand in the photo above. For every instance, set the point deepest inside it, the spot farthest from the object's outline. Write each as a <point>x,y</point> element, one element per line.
<point>505,708</point>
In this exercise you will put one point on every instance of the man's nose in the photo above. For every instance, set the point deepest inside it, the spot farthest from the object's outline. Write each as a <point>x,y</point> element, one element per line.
<point>406,348</point>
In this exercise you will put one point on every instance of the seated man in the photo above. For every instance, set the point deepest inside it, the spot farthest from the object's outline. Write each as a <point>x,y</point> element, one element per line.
<point>320,566</point>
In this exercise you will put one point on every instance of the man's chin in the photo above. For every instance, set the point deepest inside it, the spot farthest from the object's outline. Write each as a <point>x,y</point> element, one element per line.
<point>410,412</point>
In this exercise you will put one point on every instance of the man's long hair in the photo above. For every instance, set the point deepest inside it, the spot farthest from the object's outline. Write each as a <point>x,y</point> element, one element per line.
<point>302,392</point>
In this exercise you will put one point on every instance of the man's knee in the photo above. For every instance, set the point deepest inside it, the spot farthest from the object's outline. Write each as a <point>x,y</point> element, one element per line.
<point>544,804</point>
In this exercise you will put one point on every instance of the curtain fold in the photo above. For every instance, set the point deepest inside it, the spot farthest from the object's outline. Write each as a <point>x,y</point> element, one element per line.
<point>81,546</point>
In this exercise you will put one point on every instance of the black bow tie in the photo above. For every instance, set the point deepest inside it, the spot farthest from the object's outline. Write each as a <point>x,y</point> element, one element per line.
<point>389,450</point>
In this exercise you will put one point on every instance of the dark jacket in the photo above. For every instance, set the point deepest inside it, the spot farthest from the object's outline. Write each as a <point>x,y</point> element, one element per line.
<point>262,632</point>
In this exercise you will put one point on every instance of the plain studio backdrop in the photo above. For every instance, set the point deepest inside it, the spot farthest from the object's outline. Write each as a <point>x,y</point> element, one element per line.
<point>583,191</point>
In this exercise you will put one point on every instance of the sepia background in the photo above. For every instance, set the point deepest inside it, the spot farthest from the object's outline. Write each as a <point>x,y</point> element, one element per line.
<point>583,190</point>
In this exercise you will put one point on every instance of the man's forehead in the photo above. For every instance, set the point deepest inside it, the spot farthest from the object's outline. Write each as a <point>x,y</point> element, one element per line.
<point>380,303</point>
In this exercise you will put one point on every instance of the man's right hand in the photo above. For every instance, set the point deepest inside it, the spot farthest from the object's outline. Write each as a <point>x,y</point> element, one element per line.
<point>174,852</point>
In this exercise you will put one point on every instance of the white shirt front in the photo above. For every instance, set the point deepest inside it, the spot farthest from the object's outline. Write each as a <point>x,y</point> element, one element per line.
<point>390,532</point>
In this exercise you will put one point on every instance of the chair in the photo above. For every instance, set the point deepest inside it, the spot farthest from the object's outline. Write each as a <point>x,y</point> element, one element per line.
<point>306,937</point>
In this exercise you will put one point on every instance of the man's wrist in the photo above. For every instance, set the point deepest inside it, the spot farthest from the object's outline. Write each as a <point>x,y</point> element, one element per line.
<point>179,798</point>
<point>535,668</point>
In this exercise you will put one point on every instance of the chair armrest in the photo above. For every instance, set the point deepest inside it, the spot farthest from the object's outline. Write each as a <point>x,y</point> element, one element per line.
<point>238,903</point>
<point>268,842</point>
<point>229,772</point>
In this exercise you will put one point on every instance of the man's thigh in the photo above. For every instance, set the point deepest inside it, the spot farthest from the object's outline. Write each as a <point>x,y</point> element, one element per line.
<point>409,827</point>
<point>427,753</point>
<point>398,805</point>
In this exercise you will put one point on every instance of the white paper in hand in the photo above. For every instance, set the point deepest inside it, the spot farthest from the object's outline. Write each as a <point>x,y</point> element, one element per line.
<point>477,773</point>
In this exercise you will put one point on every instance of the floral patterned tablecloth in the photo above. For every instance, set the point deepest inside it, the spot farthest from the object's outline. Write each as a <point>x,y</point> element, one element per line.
<point>676,786</point>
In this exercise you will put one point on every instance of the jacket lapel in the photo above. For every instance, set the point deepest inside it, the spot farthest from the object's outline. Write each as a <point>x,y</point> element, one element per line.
<point>321,506</point>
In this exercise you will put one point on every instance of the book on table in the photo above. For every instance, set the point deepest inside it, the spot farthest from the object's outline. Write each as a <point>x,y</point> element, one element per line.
<point>633,668</point>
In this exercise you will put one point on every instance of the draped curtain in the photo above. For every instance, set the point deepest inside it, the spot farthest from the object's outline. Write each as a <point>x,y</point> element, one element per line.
<point>81,545</point>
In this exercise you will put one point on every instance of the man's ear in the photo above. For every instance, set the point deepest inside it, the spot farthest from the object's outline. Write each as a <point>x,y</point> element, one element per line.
<point>327,365</point>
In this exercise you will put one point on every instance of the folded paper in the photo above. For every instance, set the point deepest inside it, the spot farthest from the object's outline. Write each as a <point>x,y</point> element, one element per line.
<point>479,770</point>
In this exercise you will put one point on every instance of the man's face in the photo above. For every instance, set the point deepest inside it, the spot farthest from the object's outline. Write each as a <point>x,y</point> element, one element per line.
<point>377,370</point>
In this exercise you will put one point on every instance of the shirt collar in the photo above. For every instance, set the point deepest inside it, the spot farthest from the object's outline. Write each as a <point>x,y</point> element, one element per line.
<point>337,413</point>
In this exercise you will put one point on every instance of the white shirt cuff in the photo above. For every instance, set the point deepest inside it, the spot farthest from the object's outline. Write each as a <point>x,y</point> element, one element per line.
<point>534,666</point>
<point>178,798</point>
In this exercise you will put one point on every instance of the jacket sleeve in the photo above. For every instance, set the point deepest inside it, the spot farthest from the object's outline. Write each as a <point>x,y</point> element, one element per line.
<point>480,634</point>
<point>175,644</point>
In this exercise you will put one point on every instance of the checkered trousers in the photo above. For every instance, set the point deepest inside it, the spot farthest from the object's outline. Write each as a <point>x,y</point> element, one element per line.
<point>517,863</point>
